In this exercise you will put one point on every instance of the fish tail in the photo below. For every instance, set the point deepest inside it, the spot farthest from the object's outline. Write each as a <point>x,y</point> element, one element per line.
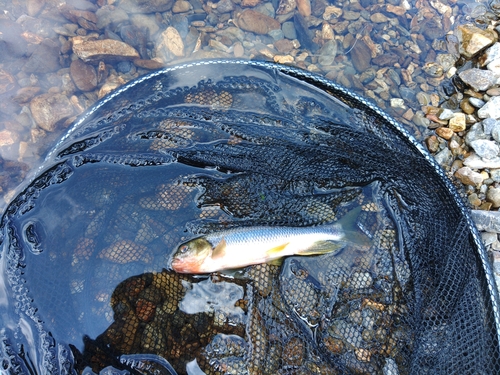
<point>349,227</point>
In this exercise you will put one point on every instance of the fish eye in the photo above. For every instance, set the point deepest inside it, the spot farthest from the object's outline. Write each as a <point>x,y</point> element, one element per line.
<point>183,249</point>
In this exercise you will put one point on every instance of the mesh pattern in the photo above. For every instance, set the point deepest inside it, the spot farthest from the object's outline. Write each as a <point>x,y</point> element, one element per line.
<point>87,245</point>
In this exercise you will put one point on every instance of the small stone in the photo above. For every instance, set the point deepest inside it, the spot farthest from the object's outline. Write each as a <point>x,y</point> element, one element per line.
<point>473,39</point>
<point>283,59</point>
<point>276,34</point>
<point>444,157</point>
<point>84,75</point>
<point>181,6</point>
<point>433,69</point>
<point>249,3</point>
<point>466,107</point>
<point>491,54</point>
<point>304,7</point>
<point>284,46</point>
<point>327,53</point>
<point>446,114</point>
<point>478,79</point>
<point>474,200</point>
<point>469,177</point>
<point>495,131</point>
<point>107,50</point>
<point>445,133</point>
<point>332,12</point>
<point>457,122</point>
<point>494,67</point>
<point>44,59</point>
<point>495,175</point>
<point>108,15</point>
<point>148,64</point>
<point>490,109</point>
<point>488,221</point>
<point>351,16</point>
<point>170,43</point>
<point>225,6</point>
<point>489,124</point>
<point>286,6</point>
<point>493,196</point>
<point>361,56</point>
<point>488,238</point>
<point>146,6</point>
<point>7,138</point>
<point>238,50</point>
<point>378,18</point>
<point>289,31</point>
<point>485,148</point>
<point>86,19</point>
<point>397,103</point>
<point>477,103</point>
<point>432,143</point>
<point>495,91</point>
<point>48,109</point>
<point>256,22</point>
<point>25,94</point>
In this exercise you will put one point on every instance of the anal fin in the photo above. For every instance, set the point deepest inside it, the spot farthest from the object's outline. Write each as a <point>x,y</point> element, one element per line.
<point>322,247</point>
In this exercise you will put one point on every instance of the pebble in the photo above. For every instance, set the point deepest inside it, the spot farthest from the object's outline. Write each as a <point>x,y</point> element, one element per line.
<point>478,79</point>
<point>48,109</point>
<point>109,15</point>
<point>477,103</point>
<point>445,133</point>
<point>251,20</point>
<point>491,54</point>
<point>84,75</point>
<point>493,196</point>
<point>490,109</point>
<point>288,29</point>
<point>146,6</point>
<point>328,52</point>
<point>469,177</point>
<point>476,162</point>
<point>181,6</point>
<point>44,58</point>
<point>473,39</point>
<point>457,123</point>
<point>107,50</point>
<point>485,149</point>
<point>170,44</point>
<point>361,56</point>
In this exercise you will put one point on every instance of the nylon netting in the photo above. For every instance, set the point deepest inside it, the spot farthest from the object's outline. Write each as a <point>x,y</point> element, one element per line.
<point>86,245</point>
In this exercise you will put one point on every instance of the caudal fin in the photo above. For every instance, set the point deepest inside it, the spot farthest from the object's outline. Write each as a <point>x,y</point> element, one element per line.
<point>352,233</point>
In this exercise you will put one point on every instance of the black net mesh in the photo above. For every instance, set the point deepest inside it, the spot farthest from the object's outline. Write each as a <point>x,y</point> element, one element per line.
<point>198,148</point>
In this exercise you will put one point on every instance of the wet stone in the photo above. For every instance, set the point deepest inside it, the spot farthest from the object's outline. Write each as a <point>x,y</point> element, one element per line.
<point>48,109</point>
<point>457,123</point>
<point>478,79</point>
<point>469,177</point>
<point>251,20</point>
<point>181,6</point>
<point>327,53</point>
<point>171,44</point>
<point>84,75</point>
<point>493,196</point>
<point>360,56</point>
<point>477,103</point>
<point>146,6</point>
<point>491,54</point>
<point>86,19</point>
<point>110,16</point>
<point>225,6</point>
<point>288,29</point>
<point>107,50</point>
<point>44,59</point>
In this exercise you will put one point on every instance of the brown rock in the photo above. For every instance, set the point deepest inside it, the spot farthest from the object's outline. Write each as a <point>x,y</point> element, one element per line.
<point>107,50</point>
<point>286,6</point>
<point>238,50</point>
<point>49,109</point>
<point>7,82</point>
<point>181,6</point>
<point>148,64</point>
<point>284,46</point>
<point>251,20</point>
<point>360,56</point>
<point>146,6</point>
<point>33,7</point>
<point>304,7</point>
<point>249,3</point>
<point>7,138</point>
<point>445,133</point>
<point>85,19</point>
<point>473,39</point>
<point>44,59</point>
<point>84,75</point>
<point>170,44</point>
<point>467,107</point>
<point>25,94</point>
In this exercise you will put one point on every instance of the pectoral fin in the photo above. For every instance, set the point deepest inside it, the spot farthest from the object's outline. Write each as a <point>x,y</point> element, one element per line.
<point>220,250</point>
<point>322,247</point>
<point>275,251</point>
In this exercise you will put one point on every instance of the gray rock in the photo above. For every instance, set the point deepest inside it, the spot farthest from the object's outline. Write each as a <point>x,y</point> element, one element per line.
<point>495,131</point>
<point>478,79</point>
<point>446,60</point>
<point>489,238</point>
<point>493,196</point>
<point>475,132</point>
<point>488,221</point>
<point>44,59</point>
<point>490,109</point>
<point>469,177</point>
<point>492,54</point>
<point>107,16</point>
<point>327,53</point>
<point>288,29</point>
<point>485,148</point>
<point>446,114</point>
<point>49,109</point>
<point>495,175</point>
<point>478,103</point>
<point>146,6</point>
<point>276,34</point>
<point>489,124</point>
<point>225,6</point>
<point>476,162</point>
<point>444,157</point>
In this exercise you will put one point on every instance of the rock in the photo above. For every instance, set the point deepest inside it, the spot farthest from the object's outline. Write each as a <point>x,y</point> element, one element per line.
<point>304,7</point>
<point>475,132</point>
<point>378,18</point>
<point>44,59</point>
<point>351,15</point>
<point>249,3</point>
<point>490,109</point>
<point>238,50</point>
<point>446,114</point>
<point>489,125</point>
<point>287,59</point>
<point>485,148</point>
<point>491,54</point>
<point>84,75</point>
<point>488,221</point>
<point>110,15</point>
<point>288,29</point>
<point>457,123</point>
<point>145,22</point>
<point>445,133</point>
<point>495,131</point>
<point>225,6</point>
<point>276,34</point>
<point>433,69</point>
<point>8,137</point>
<point>286,6</point>
<point>12,44</point>
<point>256,22</point>
<point>327,53</point>
<point>181,6</point>
<point>478,79</point>
<point>25,94</point>
<point>86,19</point>
<point>360,56</point>
<point>284,46</point>
<point>48,109</point>
<point>476,162</point>
<point>444,157</point>
<point>477,103</point>
<point>107,50</point>
<point>146,6</point>
<point>469,177</point>
<point>495,175</point>
<point>473,39</point>
<point>332,12</point>
<point>170,43</point>
<point>493,196</point>
<point>397,103</point>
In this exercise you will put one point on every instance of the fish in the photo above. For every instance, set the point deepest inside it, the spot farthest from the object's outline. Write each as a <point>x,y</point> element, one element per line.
<point>245,246</point>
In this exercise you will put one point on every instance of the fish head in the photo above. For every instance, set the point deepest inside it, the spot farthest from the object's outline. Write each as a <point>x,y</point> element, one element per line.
<point>190,255</point>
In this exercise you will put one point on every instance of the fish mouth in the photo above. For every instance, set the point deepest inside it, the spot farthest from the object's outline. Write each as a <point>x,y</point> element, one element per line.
<point>183,266</point>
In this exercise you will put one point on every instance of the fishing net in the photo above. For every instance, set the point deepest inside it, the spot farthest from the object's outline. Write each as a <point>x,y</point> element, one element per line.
<point>198,148</point>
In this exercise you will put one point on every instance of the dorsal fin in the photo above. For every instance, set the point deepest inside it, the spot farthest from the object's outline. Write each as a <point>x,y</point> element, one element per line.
<point>220,250</point>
